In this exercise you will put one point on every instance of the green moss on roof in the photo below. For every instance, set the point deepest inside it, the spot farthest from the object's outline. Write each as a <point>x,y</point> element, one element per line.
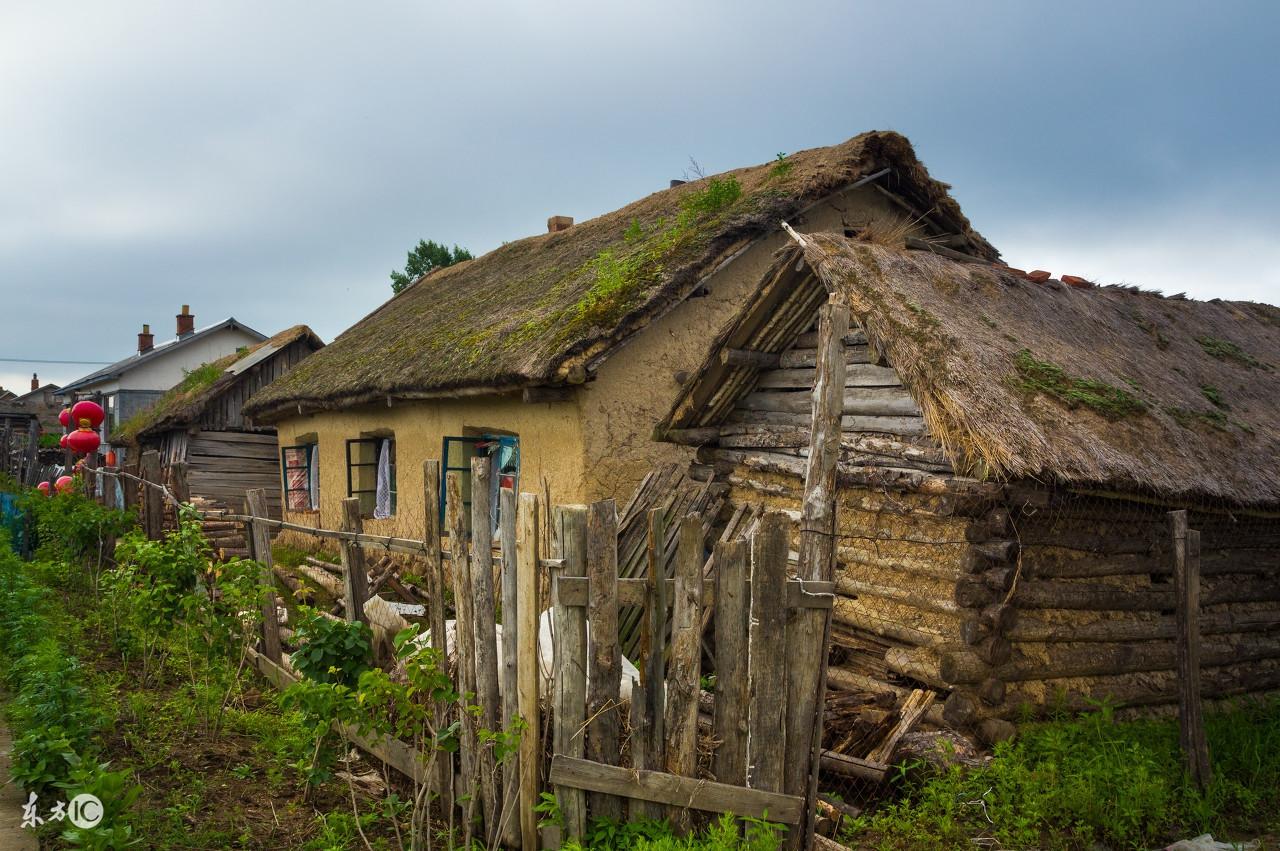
<point>523,313</point>
<point>1050,379</point>
<point>1225,350</point>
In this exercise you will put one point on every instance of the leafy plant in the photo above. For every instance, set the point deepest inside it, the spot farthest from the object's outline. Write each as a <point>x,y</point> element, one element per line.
<point>332,651</point>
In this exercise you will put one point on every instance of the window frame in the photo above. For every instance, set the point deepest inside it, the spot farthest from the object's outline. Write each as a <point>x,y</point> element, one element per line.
<point>285,468</point>
<point>353,491</point>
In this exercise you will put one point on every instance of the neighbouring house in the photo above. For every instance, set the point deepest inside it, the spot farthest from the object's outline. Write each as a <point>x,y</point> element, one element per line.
<point>20,415</point>
<point>133,384</point>
<point>42,399</point>
<point>1011,446</point>
<point>562,351</point>
<point>208,447</point>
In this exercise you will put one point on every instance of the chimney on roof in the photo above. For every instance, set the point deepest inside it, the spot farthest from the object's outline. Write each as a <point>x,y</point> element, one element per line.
<point>559,223</point>
<point>35,381</point>
<point>146,340</point>
<point>675,183</point>
<point>186,322</point>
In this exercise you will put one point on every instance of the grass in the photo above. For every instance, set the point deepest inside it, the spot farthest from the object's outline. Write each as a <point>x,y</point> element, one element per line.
<point>1049,379</point>
<point>1225,350</point>
<point>1090,782</point>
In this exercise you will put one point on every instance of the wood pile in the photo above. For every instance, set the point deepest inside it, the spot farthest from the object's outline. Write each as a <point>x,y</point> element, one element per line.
<point>867,725</point>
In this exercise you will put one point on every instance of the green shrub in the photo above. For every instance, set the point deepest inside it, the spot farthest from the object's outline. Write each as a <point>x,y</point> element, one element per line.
<point>71,527</point>
<point>331,651</point>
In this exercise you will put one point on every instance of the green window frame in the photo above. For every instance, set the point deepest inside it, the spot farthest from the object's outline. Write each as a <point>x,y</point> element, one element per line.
<point>362,472</point>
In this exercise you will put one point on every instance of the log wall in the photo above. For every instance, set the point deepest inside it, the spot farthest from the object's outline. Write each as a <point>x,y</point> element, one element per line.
<point>1003,596</point>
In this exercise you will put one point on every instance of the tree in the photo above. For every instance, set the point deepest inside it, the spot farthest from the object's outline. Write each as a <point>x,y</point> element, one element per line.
<point>426,255</point>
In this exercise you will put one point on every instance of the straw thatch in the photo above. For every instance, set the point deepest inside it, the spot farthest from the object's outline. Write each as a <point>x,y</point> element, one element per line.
<point>521,314</point>
<point>1083,385</point>
<point>183,403</point>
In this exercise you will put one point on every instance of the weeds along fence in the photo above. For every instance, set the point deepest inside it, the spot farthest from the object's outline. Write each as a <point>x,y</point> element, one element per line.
<point>536,642</point>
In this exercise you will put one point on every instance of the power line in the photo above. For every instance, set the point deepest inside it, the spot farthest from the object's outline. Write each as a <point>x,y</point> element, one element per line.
<point>38,360</point>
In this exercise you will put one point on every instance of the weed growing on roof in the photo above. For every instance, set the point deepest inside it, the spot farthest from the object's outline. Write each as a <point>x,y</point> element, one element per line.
<point>1214,395</point>
<point>1047,378</point>
<point>988,321</point>
<point>621,278</point>
<point>781,168</point>
<point>1228,351</point>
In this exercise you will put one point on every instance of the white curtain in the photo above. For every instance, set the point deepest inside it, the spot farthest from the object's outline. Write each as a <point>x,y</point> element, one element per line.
<point>313,471</point>
<point>382,506</point>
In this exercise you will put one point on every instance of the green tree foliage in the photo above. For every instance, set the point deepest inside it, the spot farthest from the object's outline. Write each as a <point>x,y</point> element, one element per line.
<point>426,256</point>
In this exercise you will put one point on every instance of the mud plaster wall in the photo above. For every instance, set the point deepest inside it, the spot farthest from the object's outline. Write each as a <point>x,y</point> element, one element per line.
<point>550,443</point>
<point>636,386</point>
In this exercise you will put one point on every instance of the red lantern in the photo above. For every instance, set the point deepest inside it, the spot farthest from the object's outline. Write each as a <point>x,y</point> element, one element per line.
<point>43,487</point>
<point>64,484</point>
<point>84,441</point>
<point>111,457</point>
<point>62,441</point>
<point>65,418</point>
<point>87,414</point>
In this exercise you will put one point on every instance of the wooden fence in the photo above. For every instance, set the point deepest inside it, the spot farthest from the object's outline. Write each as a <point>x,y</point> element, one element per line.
<point>646,747</point>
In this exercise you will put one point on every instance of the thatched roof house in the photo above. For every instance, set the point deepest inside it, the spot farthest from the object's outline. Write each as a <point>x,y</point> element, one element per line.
<point>209,448</point>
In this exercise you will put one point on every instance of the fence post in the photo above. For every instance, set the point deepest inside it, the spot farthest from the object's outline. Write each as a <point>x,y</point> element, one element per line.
<point>604,677</point>
<point>732,619</point>
<point>90,476</point>
<point>807,629</point>
<point>443,781</point>
<point>510,666</point>
<point>463,644</point>
<point>355,581</point>
<point>128,486</point>
<point>181,491</point>
<point>655,679</point>
<point>768,656</point>
<point>152,499</point>
<point>6,438</point>
<point>684,672</point>
<point>32,470</point>
<point>260,540</point>
<point>484,635</point>
<point>528,556</point>
<point>1186,588</point>
<point>109,487</point>
<point>570,624</point>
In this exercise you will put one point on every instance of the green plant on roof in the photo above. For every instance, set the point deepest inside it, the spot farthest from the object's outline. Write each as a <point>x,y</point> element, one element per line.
<point>1049,379</point>
<point>781,168</point>
<point>1214,395</point>
<point>1188,418</point>
<point>194,382</point>
<point>1225,350</point>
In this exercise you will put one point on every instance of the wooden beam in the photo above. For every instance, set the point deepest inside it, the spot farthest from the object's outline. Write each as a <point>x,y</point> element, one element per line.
<point>692,436</point>
<point>484,635</point>
<point>604,674</point>
<point>684,671</point>
<point>768,666</point>
<point>687,792</point>
<point>152,501</point>
<point>442,784</point>
<point>533,395</point>
<point>572,591</point>
<point>746,358</point>
<point>465,671</point>
<point>510,660</point>
<point>570,679</point>
<point>732,618</point>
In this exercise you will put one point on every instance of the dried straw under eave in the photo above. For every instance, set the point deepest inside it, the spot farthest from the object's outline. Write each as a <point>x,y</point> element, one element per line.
<point>954,332</point>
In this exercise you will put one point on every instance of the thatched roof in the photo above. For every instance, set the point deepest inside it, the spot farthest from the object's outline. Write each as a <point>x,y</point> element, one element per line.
<point>524,313</point>
<point>183,403</point>
<point>1083,385</point>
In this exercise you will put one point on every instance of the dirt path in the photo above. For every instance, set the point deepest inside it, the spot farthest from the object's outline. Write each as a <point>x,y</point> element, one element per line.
<point>12,836</point>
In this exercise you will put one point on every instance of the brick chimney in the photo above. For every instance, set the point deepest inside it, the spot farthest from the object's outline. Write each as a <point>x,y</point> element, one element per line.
<point>146,340</point>
<point>186,322</point>
<point>35,381</point>
<point>559,223</point>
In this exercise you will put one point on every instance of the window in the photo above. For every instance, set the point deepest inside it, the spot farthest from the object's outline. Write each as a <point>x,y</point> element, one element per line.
<point>458,452</point>
<point>301,467</point>
<point>371,474</point>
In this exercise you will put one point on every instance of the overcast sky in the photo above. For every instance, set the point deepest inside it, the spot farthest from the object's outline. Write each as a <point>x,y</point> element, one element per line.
<point>274,160</point>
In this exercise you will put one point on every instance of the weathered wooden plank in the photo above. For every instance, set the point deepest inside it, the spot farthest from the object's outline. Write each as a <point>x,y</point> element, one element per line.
<point>464,625</point>
<point>801,358</point>
<point>684,670</point>
<point>261,537</point>
<point>1186,585</point>
<point>484,635</point>
<point>807,630</point>
<point>442,784</point>
<point>687,792</point>
<point>659,592</point>
<point>510,660</point>
<point>354,572</point>
<point>152,500</point>
<point>857,375</point>
<point>768,666</point>
<point>570,685</point>
<point>604,677</point>
<point>859,401</point>
<point>732,620</point>
<point>634,592</point>
<point>528,554</point>
<point>899,425</point>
